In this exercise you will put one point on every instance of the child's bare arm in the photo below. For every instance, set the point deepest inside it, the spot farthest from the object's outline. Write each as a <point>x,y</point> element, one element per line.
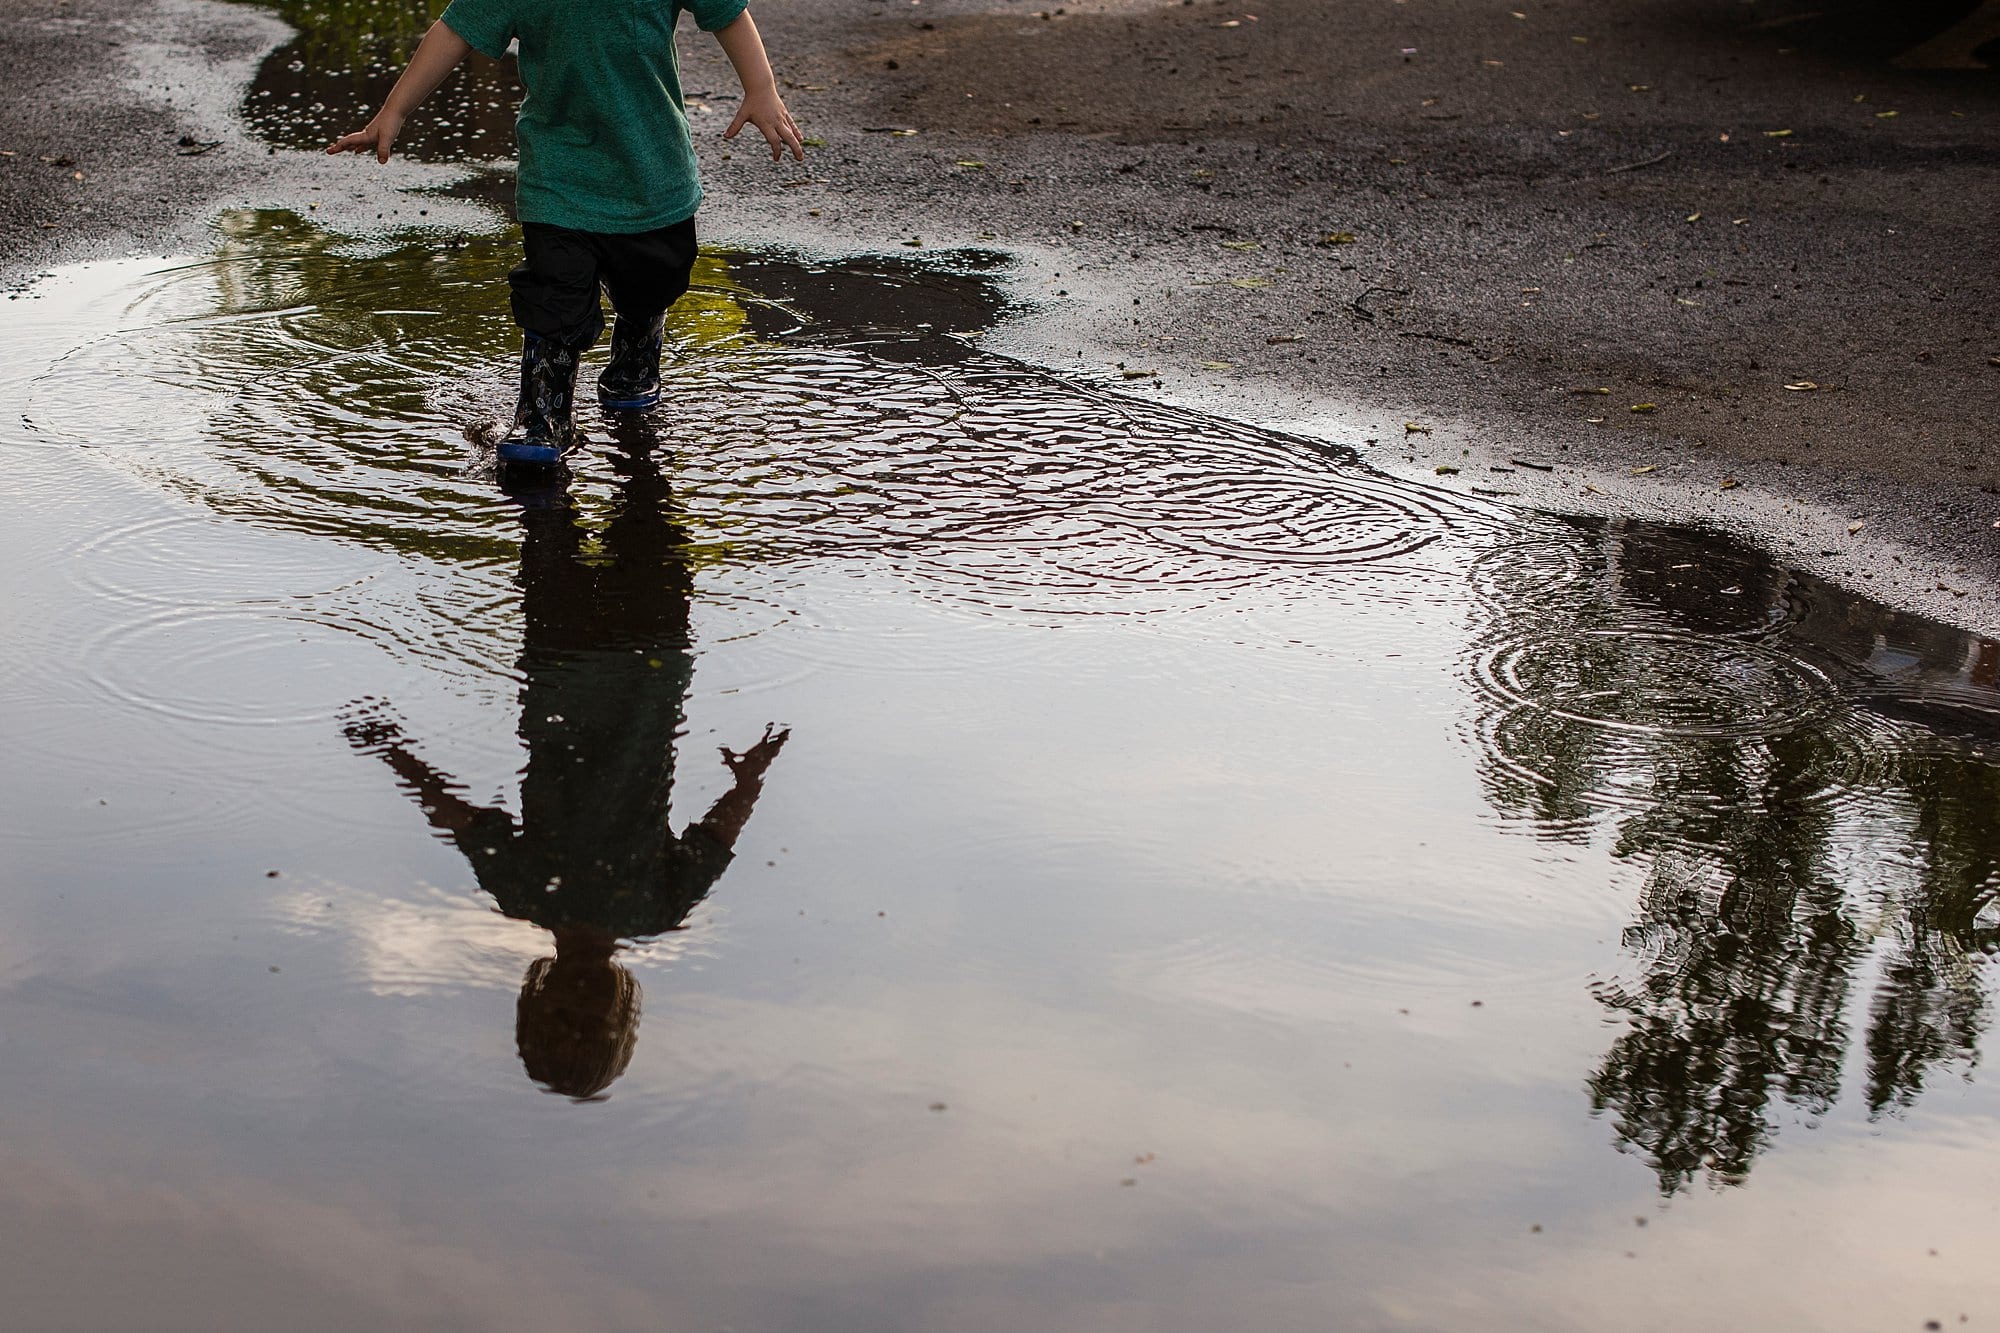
<point>762,106</point>
<point>437,56</point>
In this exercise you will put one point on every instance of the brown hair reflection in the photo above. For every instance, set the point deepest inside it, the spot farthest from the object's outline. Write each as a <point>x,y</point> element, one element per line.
<point>577,1020</point>
<point>606,665</point>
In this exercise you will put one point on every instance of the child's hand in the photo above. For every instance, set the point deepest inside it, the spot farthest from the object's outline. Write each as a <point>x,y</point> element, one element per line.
<point>749,765</point>
<point>766,110</point>
<point>376,137</point>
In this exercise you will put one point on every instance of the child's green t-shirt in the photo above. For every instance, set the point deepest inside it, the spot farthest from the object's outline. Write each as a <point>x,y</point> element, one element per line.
<point>603,134</point>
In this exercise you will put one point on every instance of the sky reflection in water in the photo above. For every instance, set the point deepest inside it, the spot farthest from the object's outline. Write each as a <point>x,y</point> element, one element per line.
<point>1288,883</point>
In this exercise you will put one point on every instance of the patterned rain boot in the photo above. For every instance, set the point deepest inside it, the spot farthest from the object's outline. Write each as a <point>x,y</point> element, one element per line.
<point>631,382</point>
<point>544,428</point>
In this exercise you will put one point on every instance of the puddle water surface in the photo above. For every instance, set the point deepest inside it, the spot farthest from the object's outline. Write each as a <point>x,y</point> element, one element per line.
<point>904,841</point>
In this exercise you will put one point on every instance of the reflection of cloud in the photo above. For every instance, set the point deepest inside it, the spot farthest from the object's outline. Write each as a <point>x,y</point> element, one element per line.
<point>1865,1234</point>
<point>81,1247</point>
<point>1269,1150</point>
<point>439,940</point>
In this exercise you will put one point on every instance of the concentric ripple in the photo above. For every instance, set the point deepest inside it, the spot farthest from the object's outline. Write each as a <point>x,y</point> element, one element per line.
<point>218,667</point>
<point>827,439</point>
<point>1657,682</point>
<point>173,559</point>
<point>304,388</point>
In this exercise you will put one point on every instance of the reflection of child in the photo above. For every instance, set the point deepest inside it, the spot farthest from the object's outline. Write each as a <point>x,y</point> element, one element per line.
<point>608,184</point>
<point>606,665</point>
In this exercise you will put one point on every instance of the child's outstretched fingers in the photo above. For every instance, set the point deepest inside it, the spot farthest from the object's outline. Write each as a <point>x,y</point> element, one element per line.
<point>372,138</point>
<point>773,122</point>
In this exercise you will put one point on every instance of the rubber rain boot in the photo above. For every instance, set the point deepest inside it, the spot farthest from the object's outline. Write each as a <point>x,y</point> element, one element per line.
<point>631,381</point>
<point>544,421</point>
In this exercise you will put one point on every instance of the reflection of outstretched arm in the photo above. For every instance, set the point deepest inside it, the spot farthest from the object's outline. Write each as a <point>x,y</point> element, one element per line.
<point>726,818</point>
<point>371,732</point>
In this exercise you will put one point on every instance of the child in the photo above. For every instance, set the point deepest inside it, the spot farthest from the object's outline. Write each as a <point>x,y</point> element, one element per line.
<point>607,186</point>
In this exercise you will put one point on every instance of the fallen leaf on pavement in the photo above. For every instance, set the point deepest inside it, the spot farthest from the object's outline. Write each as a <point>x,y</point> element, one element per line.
<point>1285,338</point>
<point>1140,374</point>
<point>972,164</point>
<point>1218,365</point>
<point>1777,134</point>
<point>1415,428</point>
<point>1730,483</point>
<point>1446,470</point>
<point>1338,238</point>
<point>1855,527</point>
<point>1643,408</point>
<point>1643,470</point>
<point>1802,386</point>
<point>1588,390</point>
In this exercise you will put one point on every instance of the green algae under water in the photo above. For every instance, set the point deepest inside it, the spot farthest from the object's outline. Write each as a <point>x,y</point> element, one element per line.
<point>1203,881</point>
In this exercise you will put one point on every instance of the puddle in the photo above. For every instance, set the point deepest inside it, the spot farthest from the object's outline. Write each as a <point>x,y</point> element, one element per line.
<point>346,57</point>
<point>1147,855</point>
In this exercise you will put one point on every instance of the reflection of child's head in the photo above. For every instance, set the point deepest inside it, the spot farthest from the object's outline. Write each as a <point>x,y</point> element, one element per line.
<point>577,1020</point>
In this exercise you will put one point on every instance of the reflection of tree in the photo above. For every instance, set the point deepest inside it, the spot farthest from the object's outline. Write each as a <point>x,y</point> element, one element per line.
<point>1742,998</point>
<point>592,856</point>
<point>1763,898</point>
<point>1931,1008</point>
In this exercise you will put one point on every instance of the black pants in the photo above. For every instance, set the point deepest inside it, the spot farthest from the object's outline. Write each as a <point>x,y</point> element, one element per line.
<point>555,287</point>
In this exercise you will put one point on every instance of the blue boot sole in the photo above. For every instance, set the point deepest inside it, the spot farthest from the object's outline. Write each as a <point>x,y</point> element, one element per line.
<point>533,455</point>
<point>639,404</point>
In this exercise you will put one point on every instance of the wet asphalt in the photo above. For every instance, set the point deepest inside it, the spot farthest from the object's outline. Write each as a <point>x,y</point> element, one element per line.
<point>1732,261</point>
